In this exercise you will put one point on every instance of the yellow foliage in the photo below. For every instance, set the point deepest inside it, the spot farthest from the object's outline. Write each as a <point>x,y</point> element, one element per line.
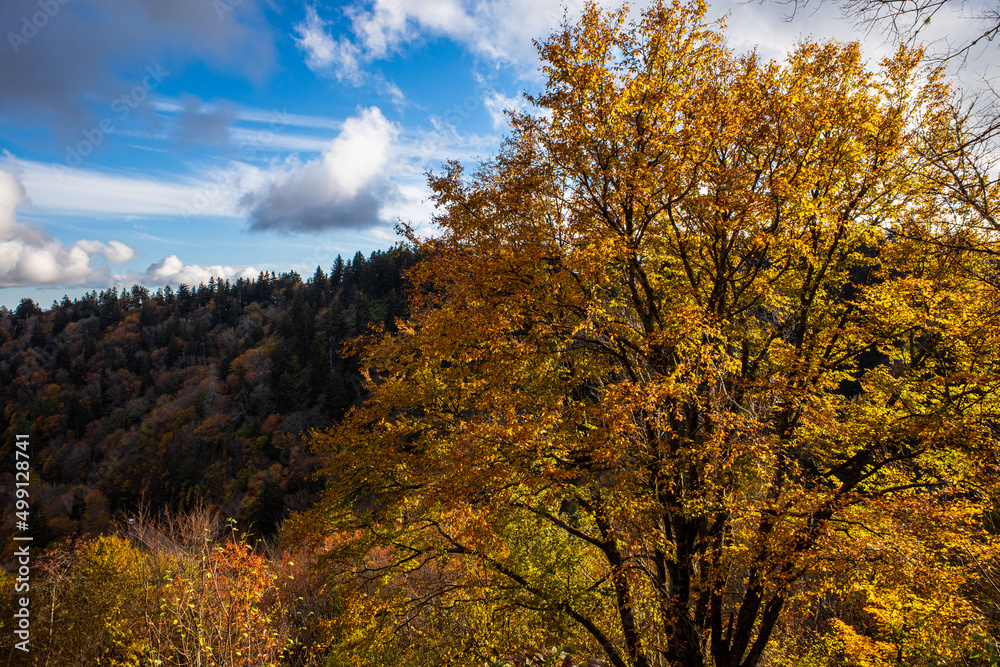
<point>695,326</point>
<point>115,602</point>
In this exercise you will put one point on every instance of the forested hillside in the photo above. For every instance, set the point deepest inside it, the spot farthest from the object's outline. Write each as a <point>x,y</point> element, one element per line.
<point>184,397</point>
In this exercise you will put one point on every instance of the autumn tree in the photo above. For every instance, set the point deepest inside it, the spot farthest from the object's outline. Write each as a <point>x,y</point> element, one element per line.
<point>706,334</point>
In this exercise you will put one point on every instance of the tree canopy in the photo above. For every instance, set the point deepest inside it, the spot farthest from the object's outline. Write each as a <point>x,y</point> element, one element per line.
<point>706,349</point>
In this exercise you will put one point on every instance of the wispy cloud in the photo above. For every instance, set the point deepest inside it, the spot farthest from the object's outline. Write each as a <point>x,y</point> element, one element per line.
<point>271,117</point>
<point>323,51</point>
<point>57,189</point>
<point>341,58</point>
<point>377,29</point>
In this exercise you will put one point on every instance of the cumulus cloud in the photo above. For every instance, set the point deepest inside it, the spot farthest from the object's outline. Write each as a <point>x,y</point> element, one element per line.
<point>30,257</point>
<point>116,252</point>
<point>345,187</point>
<point>172,271</point>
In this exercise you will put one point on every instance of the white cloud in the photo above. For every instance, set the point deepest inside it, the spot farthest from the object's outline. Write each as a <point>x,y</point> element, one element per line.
<point>116,252</point>
<point>278,119</point>
<point>370,173</point>
<point>30,257</point>
<point>503,30</point>
<point>173,271</point>
<point>322,51</point>
<point>342,58</point>
<point>275,121</point>
<point>249,142</point>
<point>412,205</point>
<point>360,152</point>
<point>496,103</point>
<point>58,189</point>
<point>212,192</point>
<point>499,29</point>
<point>345,187</point>
<point>389,23</point>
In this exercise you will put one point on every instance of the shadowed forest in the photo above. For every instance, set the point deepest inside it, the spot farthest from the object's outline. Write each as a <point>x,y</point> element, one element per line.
<point>176,400</point>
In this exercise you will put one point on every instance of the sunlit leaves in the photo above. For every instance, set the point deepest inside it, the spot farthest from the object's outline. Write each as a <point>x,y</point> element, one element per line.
<point>693,320</point>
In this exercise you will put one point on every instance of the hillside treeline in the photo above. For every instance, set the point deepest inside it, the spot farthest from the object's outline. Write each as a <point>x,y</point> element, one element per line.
<point>189,397</point>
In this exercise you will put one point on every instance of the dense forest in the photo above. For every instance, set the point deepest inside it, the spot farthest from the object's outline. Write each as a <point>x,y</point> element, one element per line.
<point>190,398</point>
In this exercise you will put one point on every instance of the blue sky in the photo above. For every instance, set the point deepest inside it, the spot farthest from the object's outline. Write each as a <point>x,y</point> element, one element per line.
<point>156,142</point>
